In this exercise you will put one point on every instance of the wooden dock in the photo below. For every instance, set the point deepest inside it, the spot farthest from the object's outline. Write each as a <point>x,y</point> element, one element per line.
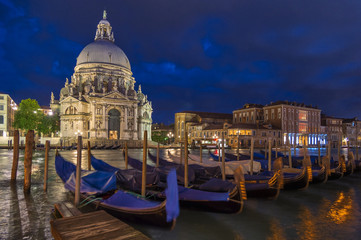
<point>94,225</point>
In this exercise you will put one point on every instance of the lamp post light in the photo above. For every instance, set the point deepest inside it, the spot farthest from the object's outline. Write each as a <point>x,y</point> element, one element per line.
<point>170,135</point>
<point>78,133</point>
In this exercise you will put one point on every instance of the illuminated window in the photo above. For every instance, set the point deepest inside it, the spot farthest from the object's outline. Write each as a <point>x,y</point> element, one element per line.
<point>302,115</point>
<point>302,127</point>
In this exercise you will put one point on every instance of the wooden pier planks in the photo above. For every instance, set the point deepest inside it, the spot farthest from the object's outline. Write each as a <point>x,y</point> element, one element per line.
<point>94,225</point>
<point>66,209</point>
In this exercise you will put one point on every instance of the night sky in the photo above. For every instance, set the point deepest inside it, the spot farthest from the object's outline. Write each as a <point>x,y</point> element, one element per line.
<point>194,55</point>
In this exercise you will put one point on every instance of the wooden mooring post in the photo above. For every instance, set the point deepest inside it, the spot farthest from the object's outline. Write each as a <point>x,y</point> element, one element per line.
<point>186,157</point>
<point>126,155</point>
<point>238,146</point>
<point>157,162</point>
<point>356,150</point>
<point>269,155</point>
<point>28,158</point>
<point>219,152</point>
<point>14,169</point>
<point>89,157</point>
<point>78,171</point>
<point>338,150</point>
<point>223,160</point>
<point>289,155</point>
<point>46,165</point>
<point>200,152</point>
<point>181,153</point>
<point>252,153</point>
<point>294,146</point>
<point>265,149</point>
<point>319,152</point>
<point>144,167</point>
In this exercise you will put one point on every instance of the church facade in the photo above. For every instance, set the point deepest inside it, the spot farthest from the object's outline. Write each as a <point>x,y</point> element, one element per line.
<point>100,102</point>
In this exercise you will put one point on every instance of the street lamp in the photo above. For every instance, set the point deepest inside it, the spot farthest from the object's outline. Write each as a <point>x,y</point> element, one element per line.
<point>170,135</point>
<point>215,137</point>
<point>78,133</point>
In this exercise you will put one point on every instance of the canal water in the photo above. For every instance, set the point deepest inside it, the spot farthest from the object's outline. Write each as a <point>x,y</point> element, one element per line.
<point>324,211</point>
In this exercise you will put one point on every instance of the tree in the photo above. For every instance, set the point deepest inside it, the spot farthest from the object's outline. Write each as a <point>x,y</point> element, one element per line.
<point>159,136</point>
<point>48,124</point>
<point>28,116</point>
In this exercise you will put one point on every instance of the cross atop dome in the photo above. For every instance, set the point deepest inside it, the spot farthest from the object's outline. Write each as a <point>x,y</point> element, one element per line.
<point>104,30</point>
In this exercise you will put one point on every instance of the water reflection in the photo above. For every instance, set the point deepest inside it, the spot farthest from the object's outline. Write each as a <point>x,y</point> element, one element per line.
<point>277,232</point>
<point>14,218</point>
<point>341,209</point>
<point>307,227</point>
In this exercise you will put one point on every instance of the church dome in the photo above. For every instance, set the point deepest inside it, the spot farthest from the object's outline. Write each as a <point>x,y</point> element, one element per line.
<point>103,51</point>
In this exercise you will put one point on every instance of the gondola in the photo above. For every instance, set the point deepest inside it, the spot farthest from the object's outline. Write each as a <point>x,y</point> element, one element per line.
<point>108,147</point>
<point>349,165</point>
<point>228,200</point>
<point>263,163</point>
<point>336,172</point>
<point>319,175</point>
<point>114,147</point>
<point>99,147</point>
<point>259,186</point>
<point>100,189</point>
<point>296,160</point>
<point>231,157</point>
<point>293,178</point>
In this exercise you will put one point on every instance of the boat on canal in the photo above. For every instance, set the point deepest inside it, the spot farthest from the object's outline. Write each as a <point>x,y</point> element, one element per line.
<point>215,195</point>
<point>99,189</point>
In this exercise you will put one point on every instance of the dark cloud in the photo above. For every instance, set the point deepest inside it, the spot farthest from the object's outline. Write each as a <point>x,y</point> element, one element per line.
<point>194,55</point>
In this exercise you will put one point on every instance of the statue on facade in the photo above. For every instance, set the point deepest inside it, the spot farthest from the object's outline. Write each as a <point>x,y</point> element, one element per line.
<point>98,124</point>
<point>52,98</point>
<point>130,124</point>
<point>115,87</point>
<point>87,89</point>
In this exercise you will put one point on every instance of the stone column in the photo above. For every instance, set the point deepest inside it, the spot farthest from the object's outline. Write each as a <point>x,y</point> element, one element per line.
<point>122,118</point>
<point>126,135</point>
<point>93,126</point>
<point>103,125</point>
<point>135,123</point>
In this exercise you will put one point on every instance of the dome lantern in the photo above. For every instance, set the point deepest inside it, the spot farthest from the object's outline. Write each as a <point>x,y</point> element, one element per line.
<point>104,30</point>
<point>103,49</point>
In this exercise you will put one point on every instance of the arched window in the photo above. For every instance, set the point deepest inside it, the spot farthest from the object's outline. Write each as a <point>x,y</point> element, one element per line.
<point>71,110</point>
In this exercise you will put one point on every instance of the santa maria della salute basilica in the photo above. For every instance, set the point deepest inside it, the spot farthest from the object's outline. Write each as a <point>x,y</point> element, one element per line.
<point>99,102</point>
